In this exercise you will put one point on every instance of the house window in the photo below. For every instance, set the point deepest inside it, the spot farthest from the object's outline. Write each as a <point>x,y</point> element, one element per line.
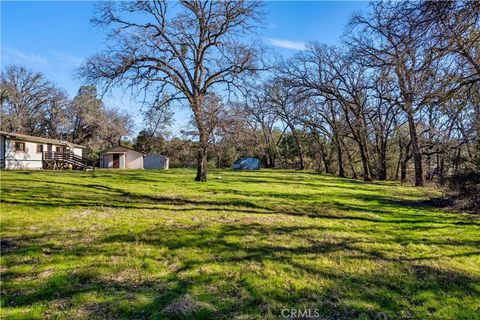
<point>59,149</point>
<point>39,148</point>
<point>20,146</point>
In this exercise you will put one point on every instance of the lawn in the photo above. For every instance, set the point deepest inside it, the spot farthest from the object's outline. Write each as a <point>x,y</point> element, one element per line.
<point>245,245</point>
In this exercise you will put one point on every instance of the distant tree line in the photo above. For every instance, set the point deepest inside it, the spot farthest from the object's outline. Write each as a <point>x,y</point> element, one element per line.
<point>33,105</point>
<point>398,99</point>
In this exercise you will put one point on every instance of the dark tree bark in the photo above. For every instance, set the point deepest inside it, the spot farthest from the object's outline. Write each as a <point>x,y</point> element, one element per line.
<point>323,154</point>
<point>416,153</point>
<point>351,162</point>
<point>382,161</point>
<point>201,165</point>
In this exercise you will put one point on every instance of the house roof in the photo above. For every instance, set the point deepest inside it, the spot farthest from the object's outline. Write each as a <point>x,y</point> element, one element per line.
<point>25,137</point>
<point>118,149</point>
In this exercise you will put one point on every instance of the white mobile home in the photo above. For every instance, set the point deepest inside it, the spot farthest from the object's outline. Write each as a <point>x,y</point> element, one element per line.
<point>20,151</point>
<point>121,157</point>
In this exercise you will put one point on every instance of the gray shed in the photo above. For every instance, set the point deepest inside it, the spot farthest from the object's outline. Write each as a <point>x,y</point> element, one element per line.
<point>155,161</point>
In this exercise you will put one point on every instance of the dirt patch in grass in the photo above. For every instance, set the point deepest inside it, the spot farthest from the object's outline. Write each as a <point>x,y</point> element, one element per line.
<point>187,307</point>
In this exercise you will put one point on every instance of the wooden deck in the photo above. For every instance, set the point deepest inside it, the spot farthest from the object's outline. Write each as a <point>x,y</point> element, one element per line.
<point>65,160</point>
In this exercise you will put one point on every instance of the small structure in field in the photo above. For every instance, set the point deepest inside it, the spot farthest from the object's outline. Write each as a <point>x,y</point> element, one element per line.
<point>155,161</point>
<point>121,157</point>
<point>21,151</point>
<point>247,163</point>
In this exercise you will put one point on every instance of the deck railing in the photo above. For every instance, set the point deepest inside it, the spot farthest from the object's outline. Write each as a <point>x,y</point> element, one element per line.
<point>68,157</point>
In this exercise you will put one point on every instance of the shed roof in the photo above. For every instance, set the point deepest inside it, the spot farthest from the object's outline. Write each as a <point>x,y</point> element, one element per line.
<point>119,149</point>
<point>25,137</point>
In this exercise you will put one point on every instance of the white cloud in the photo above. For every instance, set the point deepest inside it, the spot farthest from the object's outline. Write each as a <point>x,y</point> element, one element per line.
<point>287,44</point>
<point>66,59</point>
<point>11,55</point>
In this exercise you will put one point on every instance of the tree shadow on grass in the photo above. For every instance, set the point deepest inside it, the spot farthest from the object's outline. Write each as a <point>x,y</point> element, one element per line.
<point>224,272</point>
<point>236,268</point>
<point>64,194</point>
<point>387,289</point>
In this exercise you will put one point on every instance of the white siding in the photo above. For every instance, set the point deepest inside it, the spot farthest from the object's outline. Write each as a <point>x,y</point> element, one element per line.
<point>107,161</point>
<point>134,160</point>
<point>29,159</point>
<point>121,160</point>
<point>78,152</point>
<point>129,159</point>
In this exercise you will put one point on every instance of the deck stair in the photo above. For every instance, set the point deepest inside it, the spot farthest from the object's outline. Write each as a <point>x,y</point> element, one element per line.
<point>66,160</point>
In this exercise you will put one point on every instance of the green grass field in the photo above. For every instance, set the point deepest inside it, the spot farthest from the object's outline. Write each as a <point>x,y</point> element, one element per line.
<point>245,245</point>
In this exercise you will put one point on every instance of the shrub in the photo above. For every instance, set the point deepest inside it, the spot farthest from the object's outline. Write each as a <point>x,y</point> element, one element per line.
<point>465,189</point>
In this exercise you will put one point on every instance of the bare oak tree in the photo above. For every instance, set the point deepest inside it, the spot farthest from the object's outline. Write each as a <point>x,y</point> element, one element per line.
<point>330,73</point>
<point>30,103</point>
<point>186,48</point>
<point>393,36</point>
<point>258,113</point>
<point>283,100</point>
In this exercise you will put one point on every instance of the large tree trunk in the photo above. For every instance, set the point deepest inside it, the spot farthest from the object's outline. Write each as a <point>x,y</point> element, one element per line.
<point>351,163</point>
<point>382,171</point>
<point>326,163</point>
<point>441,168</point>
<point>202,141</point>
<point>403,160</point>
<point>382,161</point>
<point>201,164</point>
<point>416,153</point>
<point>362,144</point>
<point>323,152</point>
<point>269,147</point>
<point>367,176</point>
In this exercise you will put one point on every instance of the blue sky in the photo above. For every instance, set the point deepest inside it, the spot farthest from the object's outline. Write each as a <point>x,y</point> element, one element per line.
<point>55,37</point>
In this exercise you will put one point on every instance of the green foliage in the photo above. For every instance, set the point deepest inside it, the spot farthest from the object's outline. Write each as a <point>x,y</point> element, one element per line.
<point>149,143</point>
<point>94,125</point>
<point>245,245</point>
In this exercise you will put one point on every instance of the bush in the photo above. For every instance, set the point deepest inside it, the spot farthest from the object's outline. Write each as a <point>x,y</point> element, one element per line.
<point>465,189</point>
